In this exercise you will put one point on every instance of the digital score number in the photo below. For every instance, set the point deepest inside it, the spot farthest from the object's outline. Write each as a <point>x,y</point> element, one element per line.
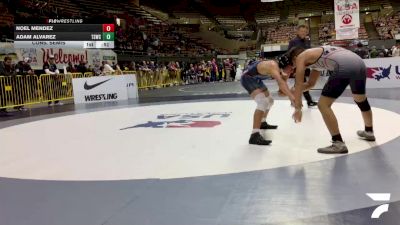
<point>108,32</point>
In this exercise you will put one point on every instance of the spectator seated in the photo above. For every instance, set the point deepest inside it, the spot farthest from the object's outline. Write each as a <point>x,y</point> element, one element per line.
<point>280,33</point>
<point>388,27</point>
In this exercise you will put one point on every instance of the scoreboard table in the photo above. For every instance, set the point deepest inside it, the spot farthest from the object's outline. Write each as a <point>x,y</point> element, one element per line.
<point>65,33</point>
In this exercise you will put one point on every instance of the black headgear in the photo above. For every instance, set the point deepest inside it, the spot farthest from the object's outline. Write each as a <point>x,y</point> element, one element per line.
<point>284,61</point>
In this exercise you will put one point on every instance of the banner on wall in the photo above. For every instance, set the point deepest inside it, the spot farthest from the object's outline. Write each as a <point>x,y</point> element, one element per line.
<point>347,33</point>
<point>383,72</point>
<point>62,56</point>
<point>65,56</point>
<point>347,14</point>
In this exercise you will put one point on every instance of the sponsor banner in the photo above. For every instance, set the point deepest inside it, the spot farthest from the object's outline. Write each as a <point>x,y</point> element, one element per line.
<point>383,72</point>
<point>62,56</point>
<point>347,14</point>
<point>347,33</point>
<point>99,89</point>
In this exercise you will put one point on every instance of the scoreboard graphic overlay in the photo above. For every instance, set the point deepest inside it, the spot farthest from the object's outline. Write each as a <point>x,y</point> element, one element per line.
<point>65,33</point>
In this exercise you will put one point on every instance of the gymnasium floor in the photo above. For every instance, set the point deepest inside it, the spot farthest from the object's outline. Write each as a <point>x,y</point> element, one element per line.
<point>180,156</point>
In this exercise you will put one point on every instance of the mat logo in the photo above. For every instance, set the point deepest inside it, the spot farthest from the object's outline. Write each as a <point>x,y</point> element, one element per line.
<point>379,73</point>
<point>176,124</point>
<point>379,197</point>
<point>184,120</point>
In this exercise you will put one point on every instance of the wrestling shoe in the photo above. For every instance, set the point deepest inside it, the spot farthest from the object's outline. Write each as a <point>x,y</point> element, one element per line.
<point>266,126</point>
<point>366,135</point>
<point>312,104</point>
<point>257,139</point>
<point>337,147</point>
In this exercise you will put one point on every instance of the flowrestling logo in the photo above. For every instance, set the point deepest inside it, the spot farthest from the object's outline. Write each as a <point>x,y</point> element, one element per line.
<point>379,73</point>
<point>184,120</point>
<point>379,197</point>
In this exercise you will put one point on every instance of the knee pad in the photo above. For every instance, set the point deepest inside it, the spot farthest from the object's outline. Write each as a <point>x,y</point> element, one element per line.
<point>263,103</point>
<point>364,106</point>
